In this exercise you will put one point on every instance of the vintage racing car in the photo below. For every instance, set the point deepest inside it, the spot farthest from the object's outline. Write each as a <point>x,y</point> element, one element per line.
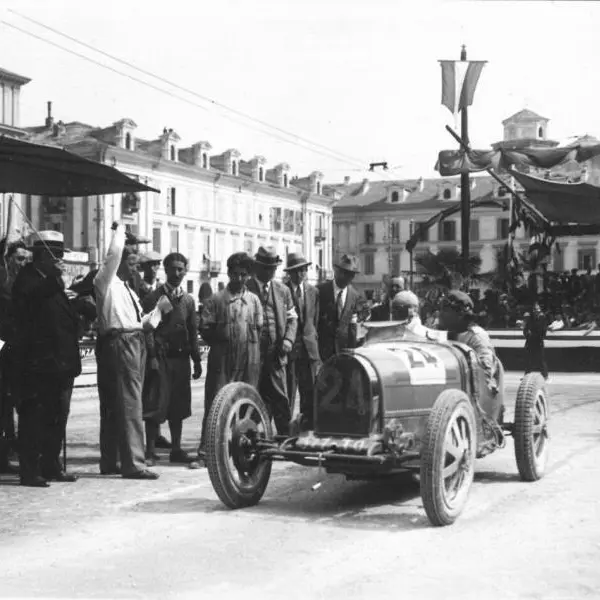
<point>397,403</point>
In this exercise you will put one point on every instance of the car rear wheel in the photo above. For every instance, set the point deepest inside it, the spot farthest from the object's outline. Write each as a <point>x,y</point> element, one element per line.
<point>448,457</point>
<point>237,419</point>
<point>531,427</point>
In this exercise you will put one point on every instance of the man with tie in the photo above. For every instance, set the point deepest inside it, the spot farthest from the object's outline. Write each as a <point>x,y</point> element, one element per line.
<point>121,358</point>
<point>278,335</point>
<point>339,304</point>
<point>303,360</point>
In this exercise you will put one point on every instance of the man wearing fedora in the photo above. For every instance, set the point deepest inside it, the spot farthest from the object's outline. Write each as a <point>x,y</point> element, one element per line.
<point>278,335</point>
<point>48,358</point>
<point>339,304</point>
<point>303,360</point>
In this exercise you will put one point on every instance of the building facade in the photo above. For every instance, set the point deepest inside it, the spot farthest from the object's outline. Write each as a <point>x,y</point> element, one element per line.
<point>375,219</point>
<point>209,206</point>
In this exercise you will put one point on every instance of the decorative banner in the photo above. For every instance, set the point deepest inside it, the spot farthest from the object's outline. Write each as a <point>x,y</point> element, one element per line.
<point>459,80</point>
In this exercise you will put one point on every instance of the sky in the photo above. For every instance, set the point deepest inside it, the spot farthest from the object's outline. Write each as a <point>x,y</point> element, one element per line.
<point>358,77</point>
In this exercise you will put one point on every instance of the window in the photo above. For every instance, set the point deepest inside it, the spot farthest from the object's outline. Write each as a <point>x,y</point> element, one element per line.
<point>172,152</point>
<point>128,141</point>
<point>234,167</point>
<point>320,258</point>
<point>156,239</point>
<point>206,247</point>
<point>248,246</point>
<point>474,230</point>
<point>171,200</point>
<point>299,223</point>
<point>424,232</point>
<point>285,180</point>
<point>395,232</point>
<point>190,250</point>
<point>174,240</point>
<point>502,191</point>
<point>369,263</point>
<point>395,196</point>
<point>586,258</point>
<point>502,226</point>
<point>541,132</point>
<point>204,160</point>
<point>261,174</point>
<point>395,264</point>
<point>288,221</point>
<point>275,216</point>
<point>319,188</point>
<point>369,233</point>
<point>190,286</point>
<point>447,231</point>
<point>447,194</point>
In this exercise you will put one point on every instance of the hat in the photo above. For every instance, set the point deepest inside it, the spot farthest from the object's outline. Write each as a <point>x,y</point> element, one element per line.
<point>239,259</point>
<point>296,260</point>
<point>405,298</point>
<point>54,240</point>
<point>460,301</point>
<point>150,257</point>
<point>348,262</point>
<point>267,257</point>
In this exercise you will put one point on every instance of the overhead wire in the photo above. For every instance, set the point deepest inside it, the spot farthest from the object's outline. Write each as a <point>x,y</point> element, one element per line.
<point>331,153</point>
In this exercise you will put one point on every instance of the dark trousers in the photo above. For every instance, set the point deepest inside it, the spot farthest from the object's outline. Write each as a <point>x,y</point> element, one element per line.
<point>536,358</point>
<point>121,359</point>
<point>301,376</point>
<point>43,413</point>
<point>272,386</point>
<point>8,372</point>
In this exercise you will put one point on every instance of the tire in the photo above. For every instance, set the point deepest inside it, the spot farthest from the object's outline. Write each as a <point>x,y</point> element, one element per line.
<point>238,474</point>
<point>448,457</point>
<point>532,411</point>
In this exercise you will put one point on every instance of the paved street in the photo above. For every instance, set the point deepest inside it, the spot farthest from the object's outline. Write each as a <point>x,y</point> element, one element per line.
<point>110,538</point>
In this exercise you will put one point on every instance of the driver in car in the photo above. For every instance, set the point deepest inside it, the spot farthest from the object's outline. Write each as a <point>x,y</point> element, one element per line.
<point>458,318</point>
<point>405,308</point>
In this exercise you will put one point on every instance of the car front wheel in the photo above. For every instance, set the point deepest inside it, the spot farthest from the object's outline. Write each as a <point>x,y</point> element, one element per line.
<point>448,457</point>
<point>237,419</point>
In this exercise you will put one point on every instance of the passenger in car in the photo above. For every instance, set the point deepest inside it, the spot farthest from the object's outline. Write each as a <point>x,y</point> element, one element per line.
<point>458,318</point>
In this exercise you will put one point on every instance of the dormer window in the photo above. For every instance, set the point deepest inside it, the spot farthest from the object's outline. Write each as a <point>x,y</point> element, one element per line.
<point>172,152</point>
<point>318,188</point>
<point>261,174</point>
<point>128,141</point>
<point>395,196</point>
<point>447,194</point>
<point>286,181</point>
<point>204,160</point>
<point>234,167</point>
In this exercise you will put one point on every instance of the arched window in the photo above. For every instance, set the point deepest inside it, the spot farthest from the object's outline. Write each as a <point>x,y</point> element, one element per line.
<point>395,196</point>
<point>233,167</point>
<point>204,160</point>
<point>261,174</point>
<point>319,188</point>
<point>285,180</point>
<point>128,141</point>
<point>541,132</point>
<point>447,194</point>
<point>172,152</point>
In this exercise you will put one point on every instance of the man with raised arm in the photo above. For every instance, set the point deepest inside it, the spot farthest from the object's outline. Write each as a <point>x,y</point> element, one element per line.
<point>121,357</point>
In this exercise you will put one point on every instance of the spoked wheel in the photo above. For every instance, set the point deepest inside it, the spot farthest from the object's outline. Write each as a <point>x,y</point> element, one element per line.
<point>448,457</point>
<point>237,419</point>
<point>531,427</point>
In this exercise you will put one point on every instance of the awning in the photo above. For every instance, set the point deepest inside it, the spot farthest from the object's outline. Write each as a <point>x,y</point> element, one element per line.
<point>27,168</point>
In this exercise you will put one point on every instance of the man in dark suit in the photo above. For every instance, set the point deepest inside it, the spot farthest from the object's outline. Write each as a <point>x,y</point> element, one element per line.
<point>48,355</point>
<point>383,311</point>
<point>339,304</point>
<point>278,335</point>
<point>303,360</point>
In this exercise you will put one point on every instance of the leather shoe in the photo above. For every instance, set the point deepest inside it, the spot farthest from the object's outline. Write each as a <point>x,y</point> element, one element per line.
<point>113,471</point>
<point>179,456</point>
<point>163,442</point>
<point>145,474</point>
<point>62,477</point>
<point>36,481</point>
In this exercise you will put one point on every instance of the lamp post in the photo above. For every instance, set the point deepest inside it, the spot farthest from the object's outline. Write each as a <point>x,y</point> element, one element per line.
<point>411,226</point>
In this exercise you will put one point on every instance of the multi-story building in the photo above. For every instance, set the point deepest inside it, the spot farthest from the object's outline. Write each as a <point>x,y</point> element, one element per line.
<point>209,206</point>
<point>375,219</point>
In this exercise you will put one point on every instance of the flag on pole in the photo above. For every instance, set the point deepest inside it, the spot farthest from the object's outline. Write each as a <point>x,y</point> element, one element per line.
<point>459,80</point>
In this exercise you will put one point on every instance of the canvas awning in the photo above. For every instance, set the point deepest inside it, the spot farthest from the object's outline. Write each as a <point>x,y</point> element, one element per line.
<point>27,168</point>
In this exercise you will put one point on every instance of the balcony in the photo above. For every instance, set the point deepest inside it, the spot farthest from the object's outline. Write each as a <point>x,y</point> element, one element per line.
<point>320,235</point>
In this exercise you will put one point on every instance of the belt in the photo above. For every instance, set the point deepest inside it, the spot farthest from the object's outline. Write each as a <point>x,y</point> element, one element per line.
<point>116,332</point>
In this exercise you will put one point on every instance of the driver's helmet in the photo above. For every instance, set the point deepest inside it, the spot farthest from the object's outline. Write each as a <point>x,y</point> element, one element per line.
<point>402,302</point>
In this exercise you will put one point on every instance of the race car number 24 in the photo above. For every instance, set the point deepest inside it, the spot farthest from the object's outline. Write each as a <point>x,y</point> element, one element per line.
<point>424,367</point>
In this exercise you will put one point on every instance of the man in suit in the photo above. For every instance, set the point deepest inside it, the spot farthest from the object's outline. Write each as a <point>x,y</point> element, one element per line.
<point>339,304</point>
<point>303,360</point>
<point>48,358</point>
<point>278,335</point>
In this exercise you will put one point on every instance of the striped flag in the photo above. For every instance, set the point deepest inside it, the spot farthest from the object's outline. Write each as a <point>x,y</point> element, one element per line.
<point>459,80</point>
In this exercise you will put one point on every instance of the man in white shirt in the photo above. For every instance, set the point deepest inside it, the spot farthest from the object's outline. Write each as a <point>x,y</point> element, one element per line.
<point>121,358</point>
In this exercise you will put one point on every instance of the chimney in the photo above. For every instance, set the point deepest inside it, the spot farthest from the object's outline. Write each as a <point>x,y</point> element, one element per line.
<point>49,118</point>
<point>420,184</point>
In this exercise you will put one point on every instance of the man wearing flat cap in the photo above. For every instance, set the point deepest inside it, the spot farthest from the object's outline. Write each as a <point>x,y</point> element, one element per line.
<point>303,360</point>
<point>48,358</point>
<point>278,335</point>
<point>149,267</point>
<point>339,304</point>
